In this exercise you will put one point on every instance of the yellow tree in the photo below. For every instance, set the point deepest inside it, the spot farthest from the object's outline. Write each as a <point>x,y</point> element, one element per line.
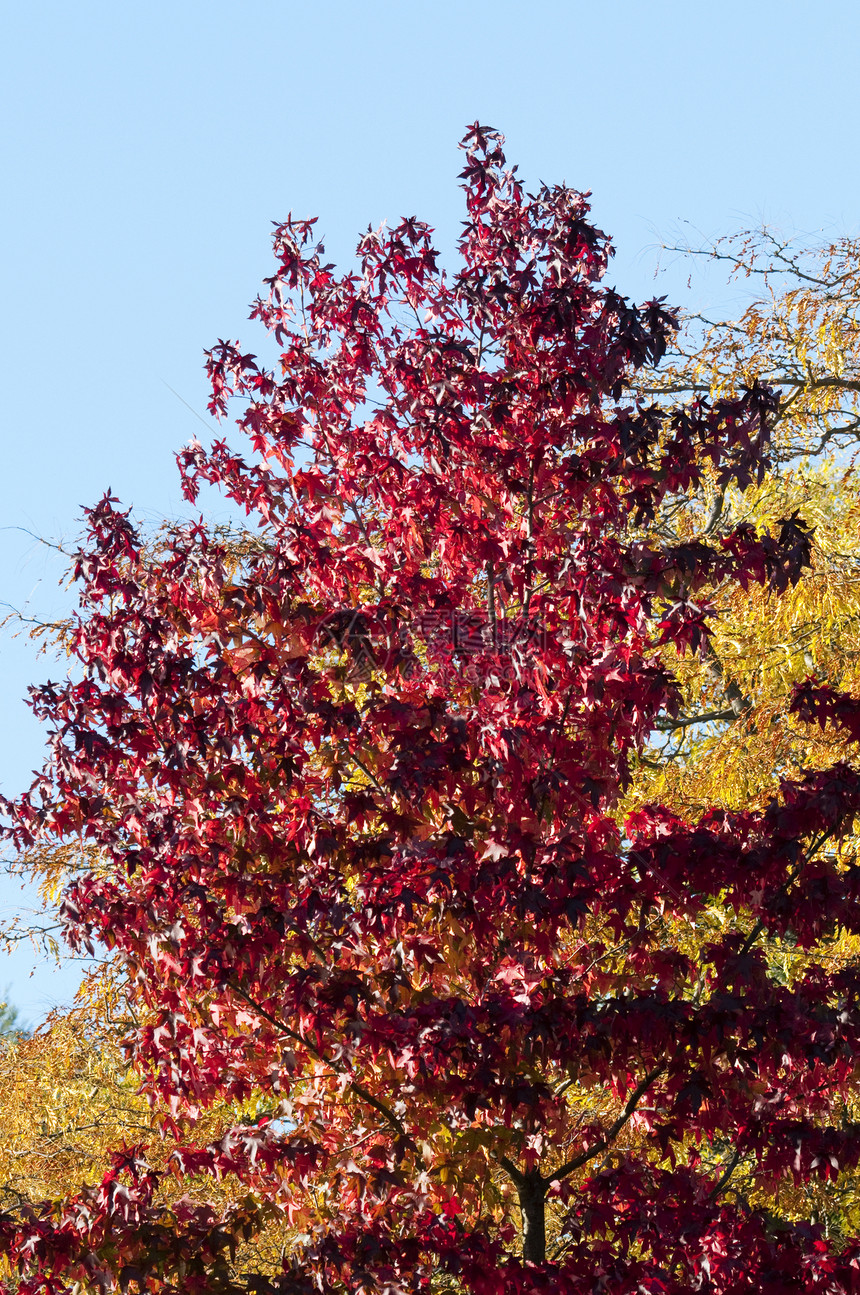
<point>800,333</point>
<point>735,735</point>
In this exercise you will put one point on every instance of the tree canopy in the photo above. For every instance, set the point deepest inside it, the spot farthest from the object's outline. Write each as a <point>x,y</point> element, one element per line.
<point>440,966</point>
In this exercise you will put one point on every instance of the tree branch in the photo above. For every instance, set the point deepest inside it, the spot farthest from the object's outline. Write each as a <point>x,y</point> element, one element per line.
<point>668,724</point>
<point>357,1088</point>
<point>517,1176</point>
<point>609,1137</point>
<point>732,1166</point>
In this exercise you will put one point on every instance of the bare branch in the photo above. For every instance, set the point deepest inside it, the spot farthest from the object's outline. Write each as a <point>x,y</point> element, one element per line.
<point>667,724</point>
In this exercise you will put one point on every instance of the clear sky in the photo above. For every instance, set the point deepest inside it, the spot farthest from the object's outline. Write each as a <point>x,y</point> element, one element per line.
<point>146,149</point>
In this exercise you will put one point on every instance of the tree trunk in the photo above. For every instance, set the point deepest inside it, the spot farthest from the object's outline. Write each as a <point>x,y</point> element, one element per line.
<point>532,1194</point>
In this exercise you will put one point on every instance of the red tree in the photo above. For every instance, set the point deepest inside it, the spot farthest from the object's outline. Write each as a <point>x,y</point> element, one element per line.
<point>350,789</point>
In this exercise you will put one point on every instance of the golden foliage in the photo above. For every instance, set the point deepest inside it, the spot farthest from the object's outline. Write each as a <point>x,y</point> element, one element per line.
<point>734,738</point>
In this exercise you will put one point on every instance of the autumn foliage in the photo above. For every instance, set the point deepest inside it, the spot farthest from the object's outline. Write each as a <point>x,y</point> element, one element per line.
<point>353,792</point>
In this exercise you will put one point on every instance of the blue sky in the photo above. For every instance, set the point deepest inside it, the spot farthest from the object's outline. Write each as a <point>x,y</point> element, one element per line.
<point>147,148</point>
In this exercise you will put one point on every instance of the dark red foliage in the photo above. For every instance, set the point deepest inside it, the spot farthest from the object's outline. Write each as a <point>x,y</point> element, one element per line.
<point>351,782</point>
